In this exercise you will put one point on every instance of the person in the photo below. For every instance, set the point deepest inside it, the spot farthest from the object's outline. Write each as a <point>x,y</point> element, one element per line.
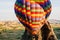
<point>33,14</point>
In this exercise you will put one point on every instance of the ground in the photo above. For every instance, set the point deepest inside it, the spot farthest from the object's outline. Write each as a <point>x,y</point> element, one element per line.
<point>14,31</point>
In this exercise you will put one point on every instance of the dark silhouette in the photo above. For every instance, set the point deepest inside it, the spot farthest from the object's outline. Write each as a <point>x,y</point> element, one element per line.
<point>45,33</point>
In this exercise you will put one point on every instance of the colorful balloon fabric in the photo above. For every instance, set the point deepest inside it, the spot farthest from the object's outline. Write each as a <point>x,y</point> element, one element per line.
<point>32,13</point>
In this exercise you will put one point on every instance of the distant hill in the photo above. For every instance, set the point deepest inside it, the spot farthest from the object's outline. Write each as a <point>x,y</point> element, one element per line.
<point>17,25</point>
<point>54,21</point>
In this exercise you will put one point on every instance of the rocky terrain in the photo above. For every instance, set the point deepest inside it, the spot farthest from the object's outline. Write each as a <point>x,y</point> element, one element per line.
<point>16,25</point>
<point>10,25</point>
<point>13,30</point>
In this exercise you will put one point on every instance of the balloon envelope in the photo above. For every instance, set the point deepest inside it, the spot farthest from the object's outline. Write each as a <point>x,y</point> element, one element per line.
<point>32,13</point>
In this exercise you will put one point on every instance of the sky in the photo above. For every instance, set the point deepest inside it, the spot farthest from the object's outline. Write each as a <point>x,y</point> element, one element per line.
<point>7,10</point>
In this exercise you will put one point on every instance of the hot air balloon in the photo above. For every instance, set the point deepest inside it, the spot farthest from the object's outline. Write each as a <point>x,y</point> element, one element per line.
<point>32,13</point>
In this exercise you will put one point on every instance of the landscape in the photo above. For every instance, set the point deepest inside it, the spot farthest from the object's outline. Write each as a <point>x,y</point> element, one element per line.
<point>13,30</point>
